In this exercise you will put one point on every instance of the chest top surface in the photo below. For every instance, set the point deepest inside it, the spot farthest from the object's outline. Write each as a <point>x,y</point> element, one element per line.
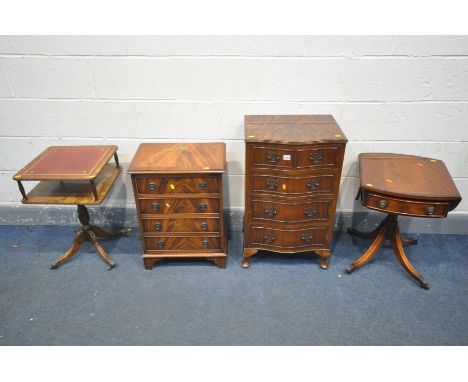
<point>407,175</point>
<point>179,158</point>
<point>67,163</point>
<point>293,129</point>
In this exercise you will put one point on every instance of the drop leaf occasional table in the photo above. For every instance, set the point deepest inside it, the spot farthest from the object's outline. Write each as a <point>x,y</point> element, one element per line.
<point>402,185</point>
<point>293,169</point>
<point>78,175</point>
<point>179,198</point>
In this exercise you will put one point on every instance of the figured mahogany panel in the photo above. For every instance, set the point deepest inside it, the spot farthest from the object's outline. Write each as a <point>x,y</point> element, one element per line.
<point>197,225</point>
<point>177,185</point>
<point>183,243</point>
<point>274,238</point>
<point>288,185</point>
<point>179,206</point>
<point>289,212</point>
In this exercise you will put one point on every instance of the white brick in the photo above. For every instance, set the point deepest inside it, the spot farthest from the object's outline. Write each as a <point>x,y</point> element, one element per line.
<point>216,45</point>
<point>4,87</point>
<point>20,45</point>
<point>431,45</point>
<point>402,79</point>
<point>348,45</point>
<point>83,45</point>
<point>45,77</point>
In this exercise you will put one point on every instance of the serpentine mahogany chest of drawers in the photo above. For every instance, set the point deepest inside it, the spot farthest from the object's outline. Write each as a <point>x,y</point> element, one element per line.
<point>293,170</point>
<point>179,200</point>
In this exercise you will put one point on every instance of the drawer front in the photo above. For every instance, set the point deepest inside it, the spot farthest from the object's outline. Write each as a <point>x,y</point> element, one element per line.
<point>176,185</point>
<point>413,208</point>
<point>181,225</point>
<point>292,185</point>
<point>179,206</point>
<point>288,239</point>
<point>273,157</point>
<point>290,213</point>
<point>181,243</point>
<point>317,156</point>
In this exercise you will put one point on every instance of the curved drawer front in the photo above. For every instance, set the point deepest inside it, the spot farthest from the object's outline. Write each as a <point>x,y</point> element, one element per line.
<point>316,210</point>
<point>210,225</point>
<point>176,185</point>
<point>181,243</point>
<point>317,157</point>
<point>406,207</point>
<point>288,239</point>
<point>292,185</point>
<point>179,206</point>
<point>273,157</point>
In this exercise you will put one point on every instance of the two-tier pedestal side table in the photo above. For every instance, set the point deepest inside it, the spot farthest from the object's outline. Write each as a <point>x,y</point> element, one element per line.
<point>293,168</point>
<point>178,192</point>
<point>407,185</point>
<point>77,175</point>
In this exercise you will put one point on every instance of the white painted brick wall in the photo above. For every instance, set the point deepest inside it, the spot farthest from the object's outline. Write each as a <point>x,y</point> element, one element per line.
<point>406,94</point>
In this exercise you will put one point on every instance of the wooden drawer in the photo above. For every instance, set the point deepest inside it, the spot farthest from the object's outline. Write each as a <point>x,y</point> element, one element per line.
<point>288,239</point>
<point>272,157</point>
<point>406,207</point>
<point>317,156</point>
<point>181,225</point>
<point>177,185</point>
<point>182,243</point>
<point>292,185</point>
<point>178,206</point>
<point>288,212</point>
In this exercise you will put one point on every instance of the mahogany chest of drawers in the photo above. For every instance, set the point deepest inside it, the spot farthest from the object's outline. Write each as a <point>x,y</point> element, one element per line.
<point>293,170</point>
<point>179,199</point>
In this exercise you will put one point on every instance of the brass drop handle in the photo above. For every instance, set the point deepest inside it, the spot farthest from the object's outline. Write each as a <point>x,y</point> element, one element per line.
<point>271,211</point>
<point>205,243</point>
<point>272,183</point>
<point>316,157</point>
<point>202,206</point>
<point>161,244</point>
<point>382,203</point>
<point>152,186</point>
<point>313,184</point>
<point>202,185</point>
<point>310,211</point>
<point>430,210</point>
<point>273,157</point>
<point>269,238</point>
<point>204,226</point>
<point>307,238</point>
<point>157,226</point>
<point>155,206</point>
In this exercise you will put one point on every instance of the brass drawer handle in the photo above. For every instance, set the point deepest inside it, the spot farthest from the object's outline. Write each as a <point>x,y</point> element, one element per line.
<point>310,211</point>
<point>161,244</point>
<point>152,186</point>
<point>272,183</point>
<point>313,184</point>
<point>430,210</point>
<point>202,206</point>
<point>155,206</point>
<point>382,203</point>
<point>204,226</point>
<point>307,238</point>
<point>205,243</point>
<point>269,238</point>
<point>273,158</point>
<point>202,185</point>
<point>271,211</point>
<point>316,157</point>
<point>157,226</point>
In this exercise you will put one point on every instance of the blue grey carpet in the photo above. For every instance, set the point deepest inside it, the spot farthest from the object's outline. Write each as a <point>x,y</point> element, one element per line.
<point>280,300</point>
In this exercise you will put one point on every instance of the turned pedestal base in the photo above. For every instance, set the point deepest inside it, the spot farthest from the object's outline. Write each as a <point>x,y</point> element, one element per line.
<point>88,232</point>
<point>390,230</point>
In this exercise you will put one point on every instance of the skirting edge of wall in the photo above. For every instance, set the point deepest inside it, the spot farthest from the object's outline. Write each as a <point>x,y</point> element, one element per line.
<point>126,216</point>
